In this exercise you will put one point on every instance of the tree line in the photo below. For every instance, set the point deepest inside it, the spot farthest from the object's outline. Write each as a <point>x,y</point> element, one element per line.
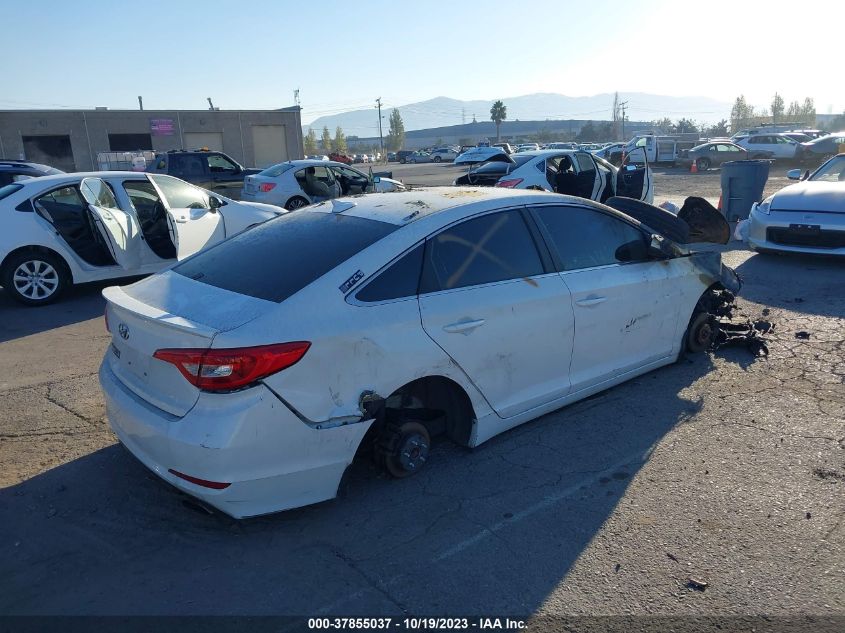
<point>394,140</point>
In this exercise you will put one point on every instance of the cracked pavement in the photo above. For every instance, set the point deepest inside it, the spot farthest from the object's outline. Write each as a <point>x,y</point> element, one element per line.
<point>721,467</point>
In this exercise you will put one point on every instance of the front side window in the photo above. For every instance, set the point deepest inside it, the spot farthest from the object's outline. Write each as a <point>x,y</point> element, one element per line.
<point>181,195</point>
<point>586,238</point>
<point>400,280</point>
<point>491,248</point>
<point>217,164</point>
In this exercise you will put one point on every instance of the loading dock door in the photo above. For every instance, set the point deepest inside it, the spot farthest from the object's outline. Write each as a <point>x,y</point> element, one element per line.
<point>54,151</point>
<point>211,140</point>
<point>269,144</point>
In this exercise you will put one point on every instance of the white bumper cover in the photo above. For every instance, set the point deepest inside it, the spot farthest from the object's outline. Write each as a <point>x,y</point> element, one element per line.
<point>273,460</point>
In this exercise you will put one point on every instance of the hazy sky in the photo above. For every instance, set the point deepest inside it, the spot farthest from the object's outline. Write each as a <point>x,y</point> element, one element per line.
<point>344,54</point>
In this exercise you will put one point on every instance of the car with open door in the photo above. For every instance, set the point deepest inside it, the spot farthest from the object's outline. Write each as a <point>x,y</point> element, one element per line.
<point>298,183</point>
<point>381,322</point>
<point>571,172</point>
<point>64,229</point>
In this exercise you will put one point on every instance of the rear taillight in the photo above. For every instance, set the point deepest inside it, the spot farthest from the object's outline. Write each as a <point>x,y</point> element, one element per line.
<point>267,186</point>
<point>510,183</point>
<point>228,369</point>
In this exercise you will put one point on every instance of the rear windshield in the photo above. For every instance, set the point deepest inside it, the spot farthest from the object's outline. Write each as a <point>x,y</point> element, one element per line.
<point>498,166</point>
<point>8,190</point>
<point>275,170</point>
<point>280,257</point>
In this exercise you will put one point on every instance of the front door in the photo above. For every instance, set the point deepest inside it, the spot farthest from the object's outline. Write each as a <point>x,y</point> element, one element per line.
<point>226,177</point>
<point>119,228</point>
<point>194,224</point>
<point>502,315</point>
<point>625,312</point>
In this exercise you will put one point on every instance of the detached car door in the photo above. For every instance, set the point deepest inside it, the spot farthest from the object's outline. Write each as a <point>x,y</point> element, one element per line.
<point>193,222</point>
<point>119,228</point>
<point>625,304</point>
<point>497,308</point>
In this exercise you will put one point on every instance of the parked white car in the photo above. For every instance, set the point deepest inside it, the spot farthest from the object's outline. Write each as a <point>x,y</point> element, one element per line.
<point>571,172</point>
<point>781,146</point>
<point>442,154</point>
<point>807,217</point>
<point>388,320</point>
<point>298,183</point>
<point>72,228</point>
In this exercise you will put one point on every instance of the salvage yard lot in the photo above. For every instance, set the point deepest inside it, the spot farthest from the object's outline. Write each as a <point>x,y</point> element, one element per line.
<point>721,468</point>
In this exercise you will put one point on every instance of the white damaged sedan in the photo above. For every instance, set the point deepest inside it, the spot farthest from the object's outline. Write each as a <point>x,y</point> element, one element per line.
<point>383,321</point>
<point>807,217</point>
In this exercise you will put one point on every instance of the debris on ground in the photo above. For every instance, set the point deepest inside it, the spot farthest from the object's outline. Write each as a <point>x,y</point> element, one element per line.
<point>672,556</point>
<point>698,585</point>
<point>734,328</point>
<point>803,335</point>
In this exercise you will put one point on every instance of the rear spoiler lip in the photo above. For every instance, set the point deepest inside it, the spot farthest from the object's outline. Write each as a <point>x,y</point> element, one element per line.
<point>115,295</point>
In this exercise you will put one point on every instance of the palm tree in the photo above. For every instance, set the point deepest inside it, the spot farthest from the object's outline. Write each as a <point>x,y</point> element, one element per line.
<point>498,113</point>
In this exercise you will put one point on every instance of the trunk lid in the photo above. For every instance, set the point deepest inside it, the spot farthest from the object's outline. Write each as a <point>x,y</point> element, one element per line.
<point>168,311</point>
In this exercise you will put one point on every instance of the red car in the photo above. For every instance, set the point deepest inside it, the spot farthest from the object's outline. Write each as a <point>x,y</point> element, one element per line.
<point>341,158</point>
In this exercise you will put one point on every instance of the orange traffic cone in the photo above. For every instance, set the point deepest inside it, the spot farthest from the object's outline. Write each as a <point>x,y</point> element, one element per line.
<point>693,168</point>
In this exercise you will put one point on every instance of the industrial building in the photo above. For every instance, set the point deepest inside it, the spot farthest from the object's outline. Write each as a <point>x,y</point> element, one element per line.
<point>72,139</point>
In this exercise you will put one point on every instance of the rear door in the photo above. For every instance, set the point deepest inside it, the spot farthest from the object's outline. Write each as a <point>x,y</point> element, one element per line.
<point>119,228</point>
<point>193,223</point>
<point>589,178</point>
<point>625,304</point>
<point>495,305</point>
<point>634,178</point>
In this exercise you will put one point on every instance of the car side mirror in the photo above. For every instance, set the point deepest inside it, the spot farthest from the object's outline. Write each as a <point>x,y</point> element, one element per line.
<point>794,174</point>
<point>660,248</point>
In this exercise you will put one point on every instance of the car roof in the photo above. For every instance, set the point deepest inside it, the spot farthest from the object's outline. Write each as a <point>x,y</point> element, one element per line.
<point>403,207</point>
<point>74,176</point>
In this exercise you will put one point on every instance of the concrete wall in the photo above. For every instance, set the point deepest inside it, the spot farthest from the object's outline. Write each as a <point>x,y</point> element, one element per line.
<point>89,129</point>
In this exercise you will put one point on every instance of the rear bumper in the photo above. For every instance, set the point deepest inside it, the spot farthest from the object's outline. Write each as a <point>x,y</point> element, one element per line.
<point>272,460</point>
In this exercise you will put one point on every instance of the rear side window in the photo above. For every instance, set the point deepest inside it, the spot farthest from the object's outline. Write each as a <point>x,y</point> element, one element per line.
<point>276,170</point>
<point>8,190</point>
<point>401,279</point>
<point>494,247</point>
<point>280,257</point>
<point>585,238</point>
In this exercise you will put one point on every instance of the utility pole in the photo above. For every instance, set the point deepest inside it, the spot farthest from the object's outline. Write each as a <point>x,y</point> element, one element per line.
<point>624,106</point>
<point>380,136</point>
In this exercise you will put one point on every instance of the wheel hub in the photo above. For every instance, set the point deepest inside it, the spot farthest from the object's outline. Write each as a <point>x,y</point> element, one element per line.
<point>705,332</point>
<point>35,279</point>
<point>413,452</point>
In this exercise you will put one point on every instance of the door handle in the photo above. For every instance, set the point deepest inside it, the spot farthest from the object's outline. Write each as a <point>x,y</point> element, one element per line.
<point>463,327</point>
<point>181,219</point>
<point>591,301</point>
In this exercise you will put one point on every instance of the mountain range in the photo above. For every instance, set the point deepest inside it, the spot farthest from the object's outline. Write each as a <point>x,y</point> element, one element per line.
<point>442,111</point>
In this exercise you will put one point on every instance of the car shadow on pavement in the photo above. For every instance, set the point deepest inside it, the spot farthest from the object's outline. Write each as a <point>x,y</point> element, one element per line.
<point>781,281</point>
<point>493,530</point>
<point>81,303</point>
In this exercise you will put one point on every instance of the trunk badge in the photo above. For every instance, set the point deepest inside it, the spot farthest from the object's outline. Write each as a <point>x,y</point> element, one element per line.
<point>123,330</point>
